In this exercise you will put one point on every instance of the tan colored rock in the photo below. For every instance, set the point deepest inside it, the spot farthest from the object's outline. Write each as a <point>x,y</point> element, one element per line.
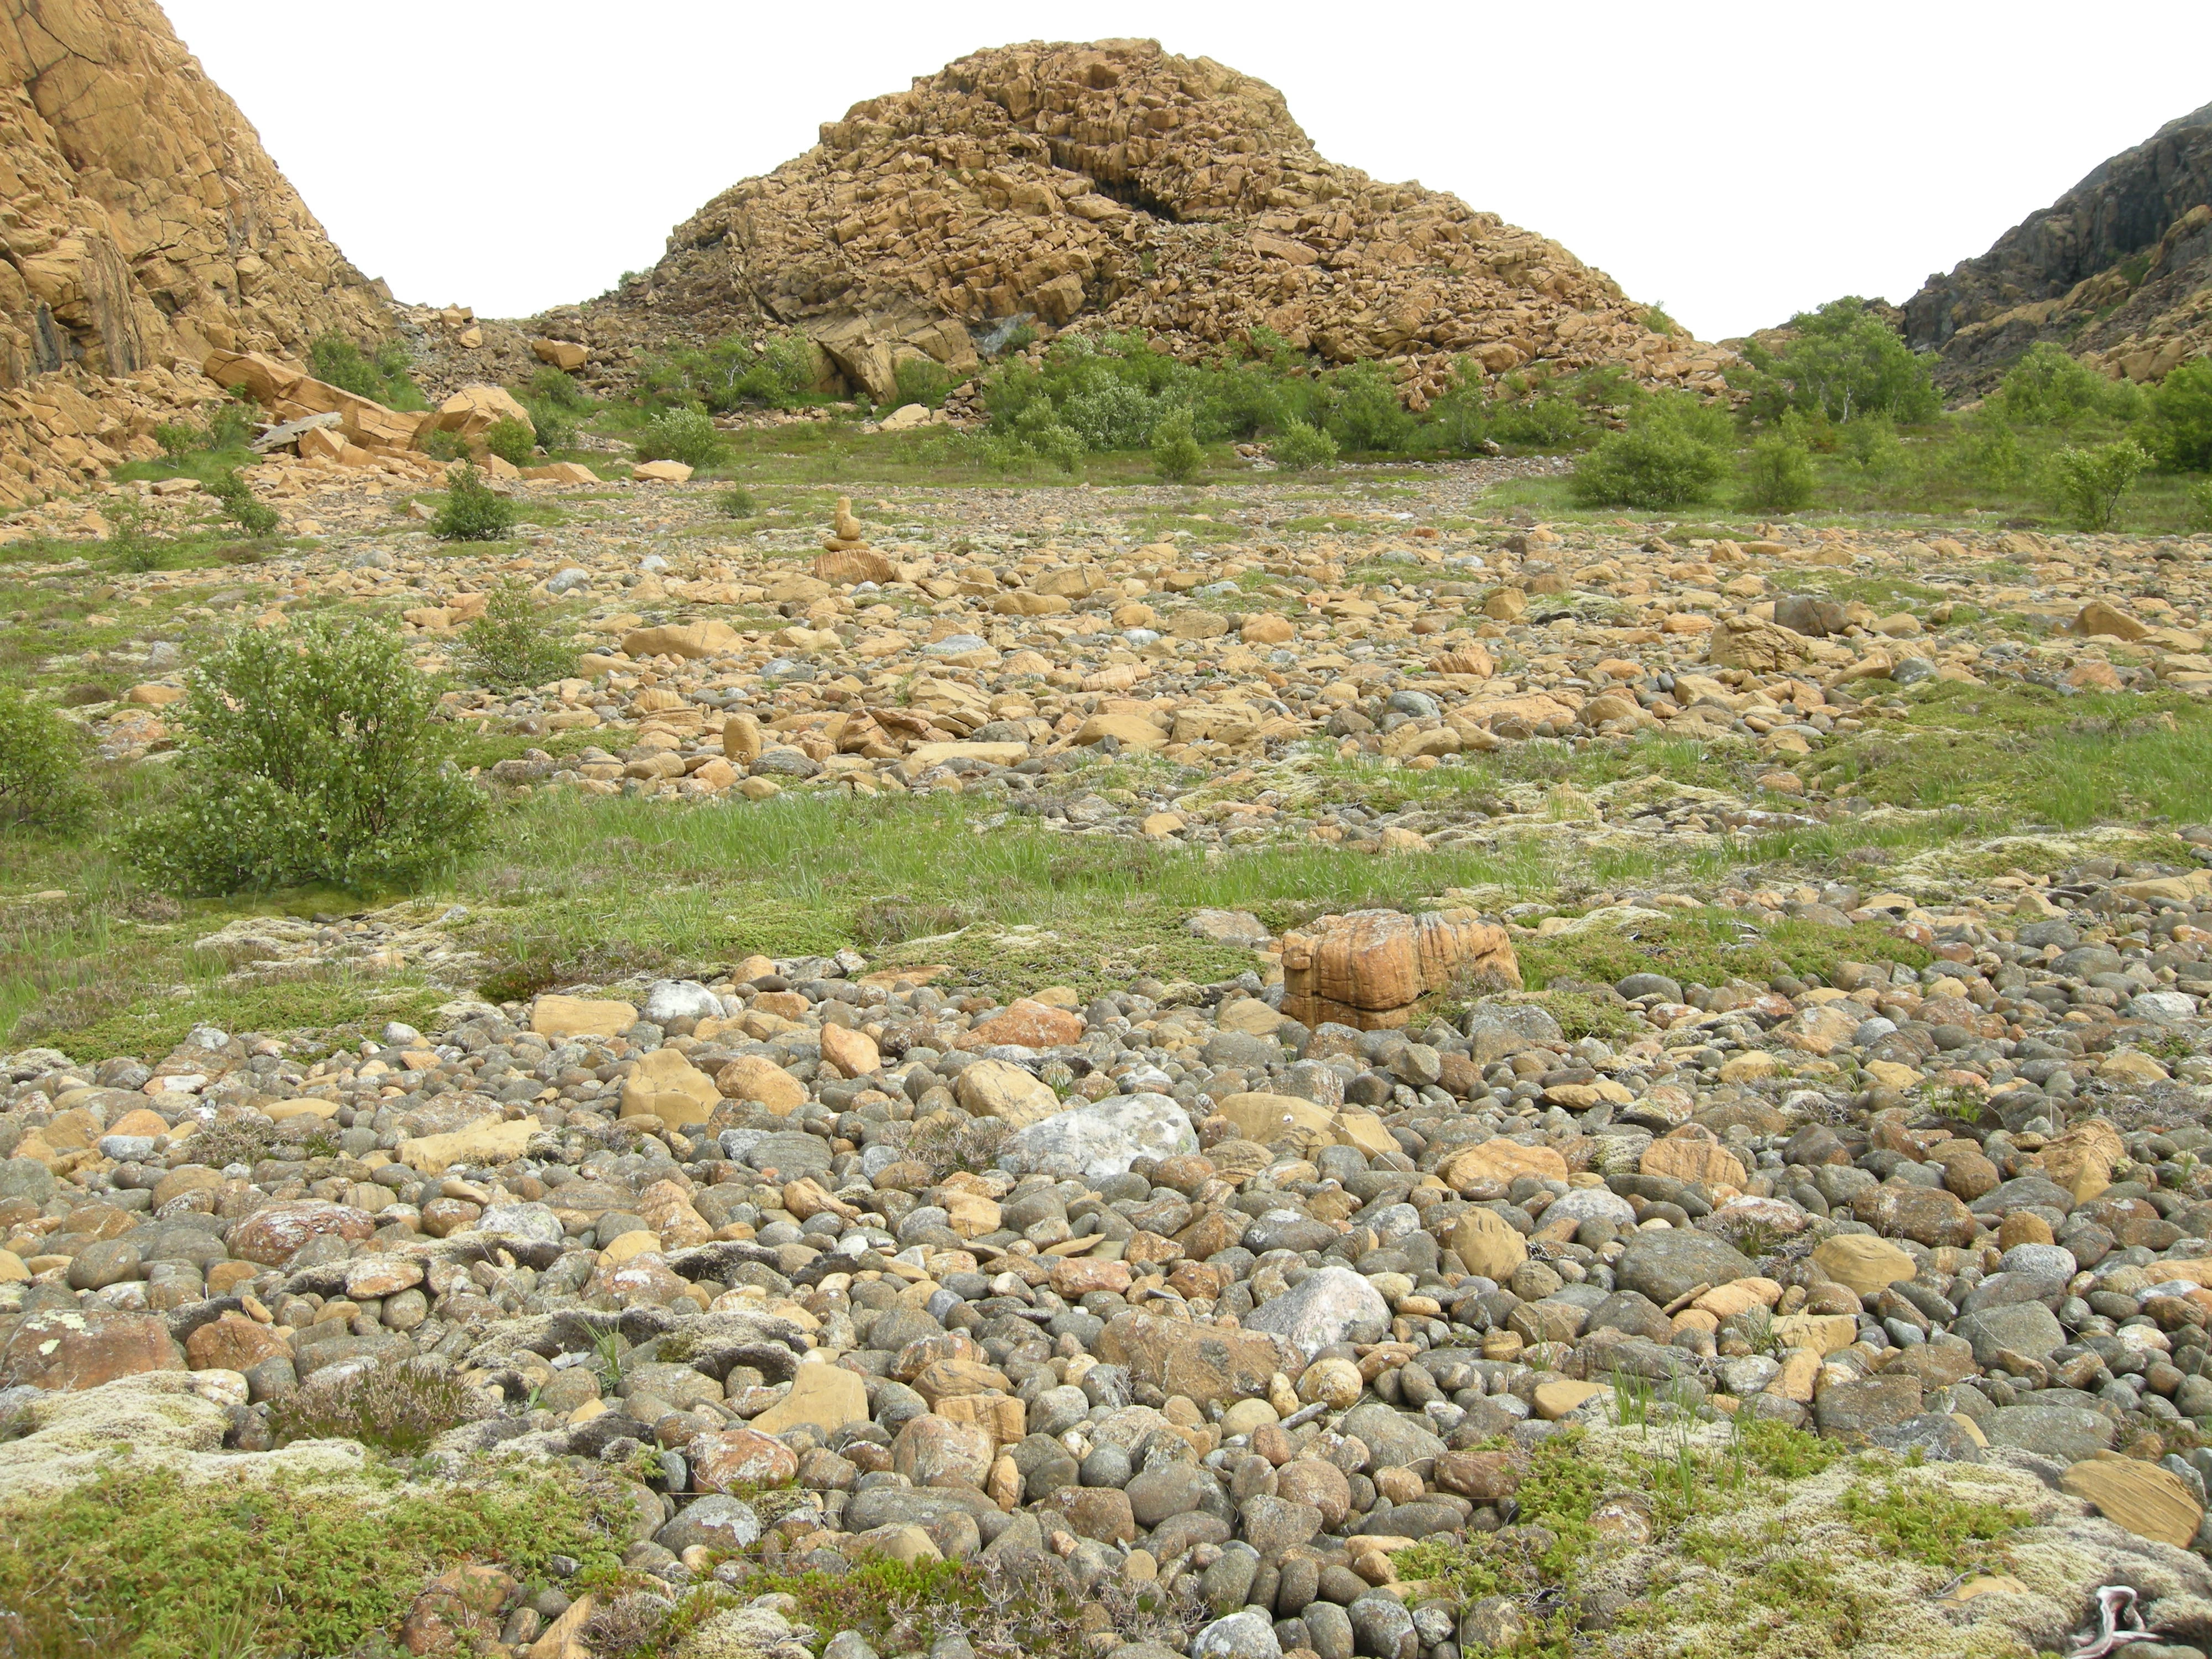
<point>667,1086</point>
<point>1130,731</point>
<point>1000,1088</point>
<point>1488,1244</point>
<point>2097,619</point>
<point>688,640</point>
<point>235,1343</point>
<point>660,472</point>
<point>1366,968</point>
<point>1747,642</point>
<point>1500,1160</point>
<point>2081,1159</point>
<point>1864,1263</point>
<point>1692,1160</point>
<point>491,1141</point>
<point>826,1396</point>
<point>475,410</point>
<point>577,1016</point>
<point>854,1053</point>
<point>758,1078</point>
<point>563,354</point>
<point>2149,1501</point>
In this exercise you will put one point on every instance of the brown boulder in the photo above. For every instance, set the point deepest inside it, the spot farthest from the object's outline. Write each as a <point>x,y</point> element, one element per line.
<point>273,1235</point>
<point>1207,1363</point>
<point>82,1348</point>
<point>1366,968</point>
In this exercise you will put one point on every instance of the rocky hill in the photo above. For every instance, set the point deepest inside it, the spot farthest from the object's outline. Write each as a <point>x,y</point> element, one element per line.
<point>1117,185</point>
<point>2118,270</point>
<point>141,224</point>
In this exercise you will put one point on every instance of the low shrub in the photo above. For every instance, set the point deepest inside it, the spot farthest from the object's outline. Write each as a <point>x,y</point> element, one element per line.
<point>42,780</point>
<point>2181,417</point>
<point>1366,415</point>
<point>310,753</point>
<point>736,501</point>
<point>688,436</point>
<point>130,544</point>
<point>2050,387</point>
<point>336,361</point>
<point>509,646</point>
<point>1545,421</point>
<point>2089,483</point>
<point>1299,447</point>
<point>241,505</point>
<point>447,447</point>
<point>923,380</point>
<point>1778,477</point>
<point>1176,453</point>
<point>1673,454</point>
<point>474,511</point>
<point>394,1407</point>
<point>512,441</point>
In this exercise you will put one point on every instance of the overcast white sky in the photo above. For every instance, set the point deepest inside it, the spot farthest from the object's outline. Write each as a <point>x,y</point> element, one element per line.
<point>1735,161</point>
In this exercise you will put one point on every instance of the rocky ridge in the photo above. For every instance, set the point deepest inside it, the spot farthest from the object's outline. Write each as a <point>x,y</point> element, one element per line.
<point>145,226</point>
<point>2115,270</point>
<point>1112,184</point>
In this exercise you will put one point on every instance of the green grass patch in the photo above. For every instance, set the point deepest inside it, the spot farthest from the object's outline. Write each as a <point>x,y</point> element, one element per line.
<point>167,1567</point>
<point>1928,1523</point>
<point>1708,946</point>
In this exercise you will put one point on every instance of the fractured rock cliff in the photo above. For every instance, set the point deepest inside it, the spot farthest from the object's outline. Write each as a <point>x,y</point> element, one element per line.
<point>1115,183</point>
<point>141,224</point>
<point>2118,270</point>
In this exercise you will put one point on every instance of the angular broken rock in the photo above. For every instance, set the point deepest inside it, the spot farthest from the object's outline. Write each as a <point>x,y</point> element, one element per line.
<point>1366,968</point>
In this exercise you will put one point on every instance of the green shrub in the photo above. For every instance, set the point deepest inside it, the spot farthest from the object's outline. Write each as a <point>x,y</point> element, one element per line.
<point>1778,477</point>
<point>2200,507</point>
<point>311,753</point>
<point>688,436</point>
<point>241,505</point>
<point>1176,453</point>
<point>336,361</point>
<point>130,544</point>
<point>2089,482</point>
<point>2049,388</point>
<point>736,501</point>
<point>447,447</point>
<point>923,380</point>
<point>42,780</point>
<point>1299,447</point>
<point>1366,415</point>
<point>511,440</point>
<point>474,511</point>
<point>556,426</point>
<point>2181,417</point>
<point>507,646</point>
<point>1991,452</point>
<point>1546,421</point>
<point>177,440</point>
<point>1673,454</point>
<point>731,375</point>
<point>551,386</point>
<point>1656,319</point>
<point>1842,361</point>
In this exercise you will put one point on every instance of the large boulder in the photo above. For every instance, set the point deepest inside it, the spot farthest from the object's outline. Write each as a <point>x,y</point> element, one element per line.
<point>1366,968</point>
<point>1098,1141</point>
<point>1206,1363</point>
<point>1330,1305</point>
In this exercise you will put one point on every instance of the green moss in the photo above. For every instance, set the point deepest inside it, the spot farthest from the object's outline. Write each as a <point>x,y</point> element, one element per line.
<point>153,1022</point>
<point>1783,1453</point>
<point>1928,1523</point>
<point>307,1566</point>
<point>1708,946</point>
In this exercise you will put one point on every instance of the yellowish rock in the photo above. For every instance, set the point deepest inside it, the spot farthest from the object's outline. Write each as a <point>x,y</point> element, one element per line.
<point>577,1016</point>
<point>2149,1501</point>
<point>667,1086</point>
<point>1862,1262</point>
<point>491,1141</point>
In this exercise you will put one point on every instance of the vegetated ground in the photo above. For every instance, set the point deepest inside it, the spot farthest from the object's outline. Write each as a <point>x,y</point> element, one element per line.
<point>1884,805</point>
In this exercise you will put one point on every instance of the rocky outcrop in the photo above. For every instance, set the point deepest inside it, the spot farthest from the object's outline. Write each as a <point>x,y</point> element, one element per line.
<point>2115,271</point>
<point>1114,184</point>
<point>142,226</point>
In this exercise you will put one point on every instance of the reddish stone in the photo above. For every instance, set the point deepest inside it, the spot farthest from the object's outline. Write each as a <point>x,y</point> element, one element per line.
<point>82,1348</point>
<point>272,1235</point>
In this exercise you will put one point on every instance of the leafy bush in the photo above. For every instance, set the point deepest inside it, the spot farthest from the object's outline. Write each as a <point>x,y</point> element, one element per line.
<point>2089,482</point>
<point>241,505</point>
<point>1673,454</point>
<point>1778,477</point>
<point>736,501</point>
<point>395,1407</point>
<point>1299,447</point>
<point>1843,361</point>
<point>2181,417</point>
<point>2200,507</point>
<point>2048,388</point>
<point>1992,453</point>
<point>552,385</point>
<point>1656,319</point>
<point>511,440</point>
<point>555,424</point>
<point>731,375</point>
<point>688,436</point>
<point>923,380</point>
<point>336,361</point>
<point>1176,453</point>
<point>311,753</point>
<point>447,447</point>
<point>1546,421</point>
<point>474,511</point>
<point>1871,442</point>
<point>1366,415</point>
<point>42,779</point>
<point>130,544</point>
<point>507,646</point>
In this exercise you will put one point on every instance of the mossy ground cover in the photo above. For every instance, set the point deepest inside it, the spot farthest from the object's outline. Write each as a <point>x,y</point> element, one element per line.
<point>162,1568</point>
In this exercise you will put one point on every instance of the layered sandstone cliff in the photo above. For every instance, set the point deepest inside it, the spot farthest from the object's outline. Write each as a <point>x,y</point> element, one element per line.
<point>141,225</point>
<point>2118,270</point>
<point>1115,183</point>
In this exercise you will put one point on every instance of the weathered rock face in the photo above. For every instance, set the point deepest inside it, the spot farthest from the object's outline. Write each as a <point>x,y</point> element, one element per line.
<point>2108,269</point>
<point>1116,183</point>
<point>147,227</point>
